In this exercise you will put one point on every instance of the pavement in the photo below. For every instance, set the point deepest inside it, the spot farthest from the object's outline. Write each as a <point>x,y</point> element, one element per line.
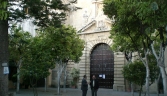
<point>72,92</point>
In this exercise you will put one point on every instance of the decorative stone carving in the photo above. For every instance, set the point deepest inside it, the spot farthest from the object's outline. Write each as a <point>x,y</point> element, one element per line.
<point>101,25</point>
<point>85,17</point>
<point>100,18</point>
<point>95,14</point>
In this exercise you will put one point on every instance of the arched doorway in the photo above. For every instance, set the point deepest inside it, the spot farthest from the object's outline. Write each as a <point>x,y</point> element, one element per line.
<point>102,65</point>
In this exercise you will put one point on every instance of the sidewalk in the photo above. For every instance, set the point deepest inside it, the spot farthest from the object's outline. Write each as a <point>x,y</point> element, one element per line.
<point>73,92</point>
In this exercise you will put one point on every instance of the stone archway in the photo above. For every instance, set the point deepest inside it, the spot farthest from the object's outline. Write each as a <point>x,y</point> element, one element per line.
<point>84,64</point>
<point>102,65</point>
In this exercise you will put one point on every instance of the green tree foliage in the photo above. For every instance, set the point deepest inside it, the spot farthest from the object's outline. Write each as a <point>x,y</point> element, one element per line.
<point>18,44</point>
<point>65,43</point>
<point>37,61</point>
<point>135,72</point>
<point>19,41</point>
<point>3,10</point>
<point>138,22</point>
<point>138,17</point>
<point>127,24</point>
<point>47,11</point>
<point>31,56</point>
<point>44,12</point>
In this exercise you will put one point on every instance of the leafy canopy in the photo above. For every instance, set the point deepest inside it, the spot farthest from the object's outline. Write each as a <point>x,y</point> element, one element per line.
<point>3,10</point>
<point>38,60</point>
<point>136,72</point>
<point>44,13</point>
<point>64,43</point>
<point>136,22</point>
<point>19,41</point>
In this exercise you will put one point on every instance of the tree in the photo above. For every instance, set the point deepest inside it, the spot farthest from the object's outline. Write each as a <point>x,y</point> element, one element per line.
<point>44,13</point>
<point>156,21</point>
<point>37,62</point>
<point>148,16</point>
<point>65,45</point>
<point>4,57</point>
<point>131,18</point>
<point>18,44</point>
<point>127,26</point>
<point>4,47</point>
<point>135,72</point>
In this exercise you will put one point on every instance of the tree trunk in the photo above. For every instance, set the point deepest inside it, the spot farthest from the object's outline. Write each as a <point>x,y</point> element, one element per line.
<point>45,85</point>
<point>147,74</point>
<point>18,75</point>
<point>18,79</point>
<point>58,82</point>
<point>160,62</point>
<point>132,90</point>
<point>33,82</point>
<point>140,90</point>
<point>65,77</point>
<point>147,80</point>
<point>3,57</point>
<point>60,66</point>
<point>128,56</point>
<point>145,62</point>
<point>157,81</point>
<point>164,79</point>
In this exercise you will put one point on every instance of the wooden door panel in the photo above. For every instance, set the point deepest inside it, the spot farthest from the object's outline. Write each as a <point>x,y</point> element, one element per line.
<point>102,62</point>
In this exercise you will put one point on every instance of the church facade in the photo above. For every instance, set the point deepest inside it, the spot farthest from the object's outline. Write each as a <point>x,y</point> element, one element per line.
<point>98,58</point>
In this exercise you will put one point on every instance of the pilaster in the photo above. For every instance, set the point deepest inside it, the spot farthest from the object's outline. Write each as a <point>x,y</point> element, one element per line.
<point>119,82</point>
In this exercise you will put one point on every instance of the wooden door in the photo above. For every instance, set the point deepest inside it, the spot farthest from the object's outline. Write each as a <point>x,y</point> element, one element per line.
<point>102,65</point>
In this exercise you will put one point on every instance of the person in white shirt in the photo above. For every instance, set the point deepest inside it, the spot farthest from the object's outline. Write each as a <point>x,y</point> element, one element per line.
<point>94,84</point>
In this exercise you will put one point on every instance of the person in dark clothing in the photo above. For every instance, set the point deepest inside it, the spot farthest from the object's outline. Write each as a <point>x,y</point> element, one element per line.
<point>84,86</point>
<point>94,84</point>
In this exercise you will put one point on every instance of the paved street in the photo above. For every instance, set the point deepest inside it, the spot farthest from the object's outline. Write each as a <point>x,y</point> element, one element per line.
<point>73,92</point>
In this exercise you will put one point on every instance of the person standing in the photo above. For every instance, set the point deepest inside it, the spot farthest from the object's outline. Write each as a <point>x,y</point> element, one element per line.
<point>94,84</point>
<point>84,86</point>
